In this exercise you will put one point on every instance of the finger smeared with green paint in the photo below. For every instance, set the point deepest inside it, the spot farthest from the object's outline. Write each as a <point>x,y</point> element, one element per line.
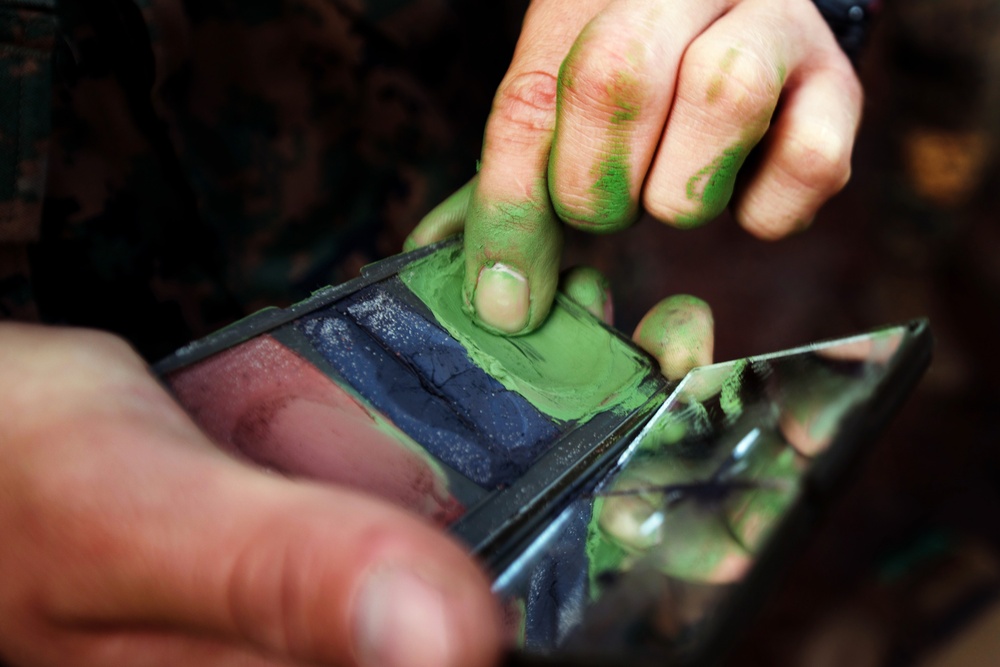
<point>614,95</point>
<point>609,200</point>
<point>679,332</point>
<point>711,188</point>
<point>709,185</point>
<point>512,256</point>
<point>513,237</point>
<point>590,289</point>
<point>446,219</point>
<point>728,88</point>
<point>812,411</point>
<point>775,471</point>
<point>512,261</point>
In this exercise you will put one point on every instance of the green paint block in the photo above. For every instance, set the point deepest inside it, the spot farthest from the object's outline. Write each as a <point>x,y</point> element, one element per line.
<point>570,368</point>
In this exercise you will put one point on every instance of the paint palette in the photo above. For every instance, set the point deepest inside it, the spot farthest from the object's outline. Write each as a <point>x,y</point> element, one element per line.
<point>616,510</point>
<point>385,385</point>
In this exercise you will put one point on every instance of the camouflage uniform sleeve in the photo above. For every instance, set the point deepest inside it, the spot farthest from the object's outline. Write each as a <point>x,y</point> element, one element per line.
<point>27,30</point>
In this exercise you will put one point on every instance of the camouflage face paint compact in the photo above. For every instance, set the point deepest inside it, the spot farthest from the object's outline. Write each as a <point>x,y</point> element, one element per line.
<point>625,518</point>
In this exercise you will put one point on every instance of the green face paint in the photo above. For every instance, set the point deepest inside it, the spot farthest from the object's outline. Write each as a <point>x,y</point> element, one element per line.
<point>613,205</point>
<point>712,187</point>
<point>603,554</point>
<point>719,80</point>
<point>674,426</point>
<point>525,236</point>
<point>571,368</point>
<point>590,295</point>
<point>685,540</point>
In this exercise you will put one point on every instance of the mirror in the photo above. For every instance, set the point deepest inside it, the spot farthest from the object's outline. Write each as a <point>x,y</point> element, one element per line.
<point>641,563</point>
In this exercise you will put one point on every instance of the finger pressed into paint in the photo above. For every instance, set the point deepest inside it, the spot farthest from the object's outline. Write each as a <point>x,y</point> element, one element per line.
<point>588,287</point>
<point>615,90</point>
<point>807,156</point>
<point>446,219</point>
<point>680,332</point>
<point>512,236</point>
<point>511,261</point>
<point>730,81</point>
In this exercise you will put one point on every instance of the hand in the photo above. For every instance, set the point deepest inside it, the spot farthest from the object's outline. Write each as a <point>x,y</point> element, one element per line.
<point>129,539</point>
<point>610,106</point>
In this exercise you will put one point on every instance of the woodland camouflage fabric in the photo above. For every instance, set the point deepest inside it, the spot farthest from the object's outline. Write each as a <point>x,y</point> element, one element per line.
<point>209,157</point>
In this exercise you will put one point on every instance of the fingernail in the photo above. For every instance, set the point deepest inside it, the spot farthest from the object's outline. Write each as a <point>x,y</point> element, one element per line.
<point>502,299</point>
<point>403,621</point>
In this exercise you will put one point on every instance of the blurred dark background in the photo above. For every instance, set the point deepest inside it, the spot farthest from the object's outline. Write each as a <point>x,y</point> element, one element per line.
<point>906,568</point>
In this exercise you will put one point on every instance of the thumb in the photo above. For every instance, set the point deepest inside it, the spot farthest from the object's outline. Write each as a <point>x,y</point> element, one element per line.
<point>297,570</point>
<point>326,576</point>
<point>513,236</point>
<point>139,524</point>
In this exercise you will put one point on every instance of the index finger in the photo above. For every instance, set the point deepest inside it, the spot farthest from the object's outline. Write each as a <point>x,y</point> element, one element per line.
<point>513,237</point>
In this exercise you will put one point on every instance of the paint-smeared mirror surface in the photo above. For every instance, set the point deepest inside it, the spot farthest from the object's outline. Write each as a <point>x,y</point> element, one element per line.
<point>643,561</point>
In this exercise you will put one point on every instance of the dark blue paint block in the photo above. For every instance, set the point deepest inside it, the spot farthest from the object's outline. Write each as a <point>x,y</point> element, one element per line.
<point>422,379</point>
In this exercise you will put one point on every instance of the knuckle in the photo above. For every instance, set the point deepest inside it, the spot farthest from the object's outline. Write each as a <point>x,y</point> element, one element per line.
<point>526,101</point>
<point>818,158</point>
<point>595,213</point>
<point>840,69</point>
<point>738,81</point>
<point>604,79</point>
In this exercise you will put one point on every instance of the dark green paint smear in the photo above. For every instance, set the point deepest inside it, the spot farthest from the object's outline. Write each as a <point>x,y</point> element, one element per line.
<point>612,203</point>
<point>570,368</point>
<point>712,186</point>
<point>612,200</point>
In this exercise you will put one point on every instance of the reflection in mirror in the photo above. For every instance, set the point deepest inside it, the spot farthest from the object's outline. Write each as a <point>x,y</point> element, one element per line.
<point>646,558</point>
